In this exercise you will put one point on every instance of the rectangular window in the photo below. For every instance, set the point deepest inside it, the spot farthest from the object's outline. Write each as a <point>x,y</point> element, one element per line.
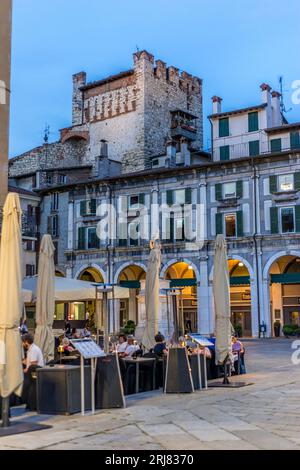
<point>49,179</point>
<point>92,238</point>
<point>224,153</point>
<point>179,197</point>
<point>229,190</point>
<point>295,140</point>
<point>179,229</point>
<point>133,201</point>
<point>253,121</point>
<point>230,225</point>
<point>133,230</point>
<point>62,179</point>
<point>253,148</point>
<point>53,226</point>
<point>287,216</point>
<point>54,202</point>
<point>30,270</point>
<point>224,127</point>
<point>286,182</point>
<point>275,145</point>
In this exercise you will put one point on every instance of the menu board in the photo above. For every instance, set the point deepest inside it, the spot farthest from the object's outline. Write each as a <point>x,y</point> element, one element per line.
<point>199,339</point>
<point>87,348</point>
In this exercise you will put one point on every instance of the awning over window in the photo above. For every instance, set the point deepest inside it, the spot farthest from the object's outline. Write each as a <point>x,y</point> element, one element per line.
<point>288,278</point>
<point>240,280</point>
<point>189,282</point>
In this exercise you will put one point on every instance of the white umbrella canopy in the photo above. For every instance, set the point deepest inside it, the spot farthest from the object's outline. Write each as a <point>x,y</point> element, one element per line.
<point>221,292</point>
<point>152,296</point>
<point>45,301</point>
<point>73,290</point>
<point>11,370</point>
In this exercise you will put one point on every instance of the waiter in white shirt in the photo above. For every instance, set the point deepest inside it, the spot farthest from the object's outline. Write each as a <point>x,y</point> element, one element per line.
<point>34,354</point>
<point>131,348</point>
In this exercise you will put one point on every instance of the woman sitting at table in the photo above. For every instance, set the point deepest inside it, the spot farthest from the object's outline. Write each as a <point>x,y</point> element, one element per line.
<point>160,348</point>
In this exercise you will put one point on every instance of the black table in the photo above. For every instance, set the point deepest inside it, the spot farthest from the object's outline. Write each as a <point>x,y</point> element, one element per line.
<point>137,362</point>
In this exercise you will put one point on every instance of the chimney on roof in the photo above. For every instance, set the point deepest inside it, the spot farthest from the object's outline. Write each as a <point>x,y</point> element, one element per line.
<point>217,104</point>
<point>103,148</point>
<point>265,91</point>
<point>171,153</point>
<point>276,111</point>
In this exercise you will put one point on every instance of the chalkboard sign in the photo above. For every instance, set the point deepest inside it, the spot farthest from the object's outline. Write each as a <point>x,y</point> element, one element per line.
<point>87,348</point>
<point>178,373</point>
<point>109,387</point>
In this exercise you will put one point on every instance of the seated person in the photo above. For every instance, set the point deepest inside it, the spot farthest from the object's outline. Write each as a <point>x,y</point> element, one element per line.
<point>68,330</point>
<point>75,334</point>
<point>202,350</point>
<point>160,348</point>
<point>67,346</point>
<point>131,348</point>
<point>86,332</point>
<point>122,344</point>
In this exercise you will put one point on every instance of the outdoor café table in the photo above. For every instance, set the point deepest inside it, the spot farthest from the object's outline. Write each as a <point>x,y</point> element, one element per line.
<point>138,361</point>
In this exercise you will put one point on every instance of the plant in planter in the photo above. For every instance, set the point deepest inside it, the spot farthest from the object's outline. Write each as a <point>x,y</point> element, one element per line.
<point>277,326</point>
<point>238,329</point>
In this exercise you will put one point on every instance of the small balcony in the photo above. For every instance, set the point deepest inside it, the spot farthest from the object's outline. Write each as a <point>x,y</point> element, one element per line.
<point>183,124</point>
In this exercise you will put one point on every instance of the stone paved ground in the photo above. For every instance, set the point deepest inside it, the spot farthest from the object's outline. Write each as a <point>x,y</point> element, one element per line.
<point>265,415</point>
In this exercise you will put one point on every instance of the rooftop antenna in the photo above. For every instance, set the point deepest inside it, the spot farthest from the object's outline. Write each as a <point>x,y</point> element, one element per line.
<point>282,105</point>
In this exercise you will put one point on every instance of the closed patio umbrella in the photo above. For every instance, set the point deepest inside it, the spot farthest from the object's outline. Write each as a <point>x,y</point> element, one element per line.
<point>221,292</point>
<point>45,299</point>
<point>11,371</point>
<point>152,296</point>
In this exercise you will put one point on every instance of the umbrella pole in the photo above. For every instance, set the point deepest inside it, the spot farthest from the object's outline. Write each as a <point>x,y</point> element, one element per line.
<point>5,412</point>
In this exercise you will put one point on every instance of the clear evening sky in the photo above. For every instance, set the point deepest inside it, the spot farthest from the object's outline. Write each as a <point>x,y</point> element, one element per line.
<point>233,45</point>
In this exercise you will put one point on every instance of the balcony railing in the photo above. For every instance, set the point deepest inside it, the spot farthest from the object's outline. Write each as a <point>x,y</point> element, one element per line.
<point>243,150</point>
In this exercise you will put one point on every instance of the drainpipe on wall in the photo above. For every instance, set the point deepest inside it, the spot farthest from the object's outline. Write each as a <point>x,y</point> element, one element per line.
<point>255,244</point>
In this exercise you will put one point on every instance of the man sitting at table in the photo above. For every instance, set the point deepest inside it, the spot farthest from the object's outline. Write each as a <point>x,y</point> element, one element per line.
<point>122,344</point>
<point>131,348</point>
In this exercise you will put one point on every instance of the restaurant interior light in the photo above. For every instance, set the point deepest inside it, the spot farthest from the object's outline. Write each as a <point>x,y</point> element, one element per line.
<point>241,264</point>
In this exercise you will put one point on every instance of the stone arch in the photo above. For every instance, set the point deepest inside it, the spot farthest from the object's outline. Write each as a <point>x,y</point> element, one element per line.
<point>275,257</point>
<point>96,267</point>
<point>170,263</point>
<point>238,258</point>
<point>127,265</point>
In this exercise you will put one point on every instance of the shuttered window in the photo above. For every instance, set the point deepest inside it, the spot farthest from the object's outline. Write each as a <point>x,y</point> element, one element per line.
<point>273,184</point>
<point>239,188</point>
<point>223,127</point>
<point>274,219</point>
<point>81,238</point>
<point>188,196</point>
<point>297,181</point>
<point>219,223</point>
<point>253,121</point>
<point>82,208</point>
<point>224,153</point>
<point>297,218</point>
<point>275,145</point>
<point>239,224</point>
<point>295,140</point>
<point>170,198</point>
<point>253,148</point>
<point>218,192</point>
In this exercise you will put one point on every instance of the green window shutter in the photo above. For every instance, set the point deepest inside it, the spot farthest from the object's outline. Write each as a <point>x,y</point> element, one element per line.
<point>239,224</point>
<point>273,184</point>
<point>170,198</point>
<point>82,207</point>
<point>142,199</point>
<point>81,238</point>
<point>223,127</point>
<point>297,217</point>
<point>275,145</point>
<point>188,196</point>
<point>239,189</point>
<point>93,206</point>
<point>224,153</point>
<point>295,140</point>
<point>253,148</point>
<point>218,192</point>
<point>253,121</point>
<point>219,223</point>
<point>297,181</point>
<point>274,219</point>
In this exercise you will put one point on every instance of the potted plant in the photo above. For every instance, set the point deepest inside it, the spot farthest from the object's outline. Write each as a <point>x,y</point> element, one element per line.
<point>277,327</point>
<point>129,328</point>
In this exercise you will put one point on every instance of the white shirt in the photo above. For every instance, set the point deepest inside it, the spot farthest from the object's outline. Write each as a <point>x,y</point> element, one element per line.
<point>121,347</point>
<point>130,349</point>
<point>34,354</point>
